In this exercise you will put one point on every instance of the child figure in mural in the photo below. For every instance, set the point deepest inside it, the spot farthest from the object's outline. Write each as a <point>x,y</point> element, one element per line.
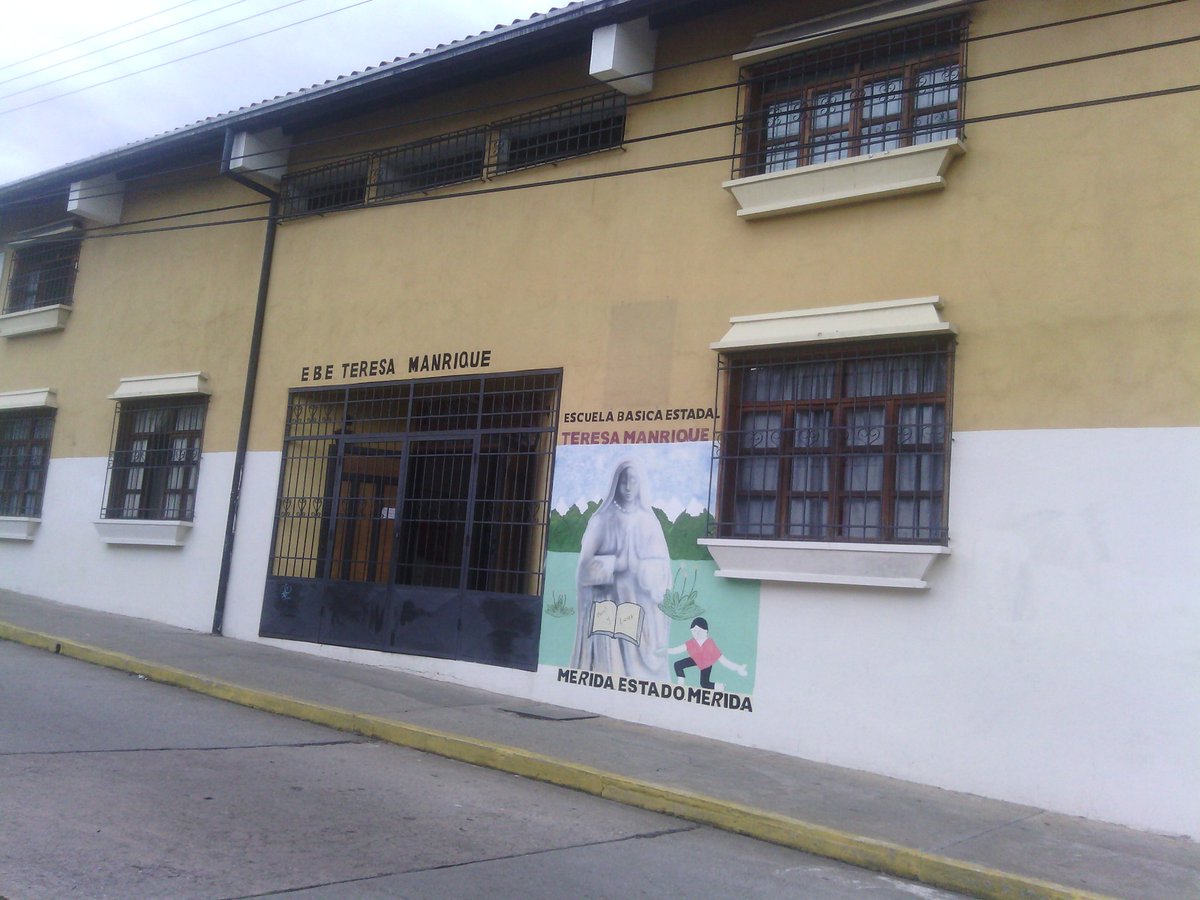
<point>703,652</point>
<point>624,571</point>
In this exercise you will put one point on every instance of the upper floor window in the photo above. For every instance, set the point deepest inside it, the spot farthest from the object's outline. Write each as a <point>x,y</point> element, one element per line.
<point>570,129</point>
<point>837,443</point>
<point>446,159</point>
<point>42,274</point>
<point>338,185</point>
<point>24,458</point>
<point>874,93</point>
<point>155,461</point>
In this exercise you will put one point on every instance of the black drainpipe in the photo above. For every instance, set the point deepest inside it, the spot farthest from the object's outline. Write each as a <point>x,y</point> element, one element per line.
<point>260,311</point>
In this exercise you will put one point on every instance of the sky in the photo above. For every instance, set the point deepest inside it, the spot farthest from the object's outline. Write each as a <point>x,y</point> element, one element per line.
<point>80,78</point>
<point>671,473</point>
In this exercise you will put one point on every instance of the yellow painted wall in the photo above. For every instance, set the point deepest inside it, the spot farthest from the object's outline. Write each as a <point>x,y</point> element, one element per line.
<point>151,304</point>
<point>1064,248</point>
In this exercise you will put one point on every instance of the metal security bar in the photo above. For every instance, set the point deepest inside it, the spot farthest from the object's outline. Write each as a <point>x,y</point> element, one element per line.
<point>543,136</point>
<point>42,275</point>
<point>840,444</point>
<point>339,185</point>
<point>571,129</point>
<point>437,162</point>
<point>24,459</point>
<point>874,93</point>
<point>155,461</point>
<point>431,484</point>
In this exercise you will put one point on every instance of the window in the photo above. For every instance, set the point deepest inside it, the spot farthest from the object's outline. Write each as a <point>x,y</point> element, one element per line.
<point>155,460</point>
<point>43,274</point>
<point>874,93</point>
<point>572,129</point>
<point>24,458</point>
<point>837,443</point>
<point>339,185</point>
<point>448,159</point>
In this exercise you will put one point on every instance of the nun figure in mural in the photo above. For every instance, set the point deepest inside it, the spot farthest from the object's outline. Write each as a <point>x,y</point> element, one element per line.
<point>624,570</point>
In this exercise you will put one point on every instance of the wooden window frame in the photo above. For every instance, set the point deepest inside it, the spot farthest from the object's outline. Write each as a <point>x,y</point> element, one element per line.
<point>24,461</point>
<point>165,483</point>
<point>45,270</point>
<point>849,65</point>
<point>838,451</point>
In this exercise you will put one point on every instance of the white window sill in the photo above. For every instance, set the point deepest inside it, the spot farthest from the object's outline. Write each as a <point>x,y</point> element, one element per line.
<point>34,321</point>
<point>142,386</point>
<point>143,532</point>
<point>18,528</point>
<point>907,170</point>
<point>812,562</point>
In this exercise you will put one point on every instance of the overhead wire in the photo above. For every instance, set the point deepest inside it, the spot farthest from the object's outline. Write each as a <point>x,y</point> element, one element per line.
<point>696,61</point>
<point>391,126</point>
<point>99,34</point>
<point>123,41</point>
<point>641,170</point>
<point>188,56</point>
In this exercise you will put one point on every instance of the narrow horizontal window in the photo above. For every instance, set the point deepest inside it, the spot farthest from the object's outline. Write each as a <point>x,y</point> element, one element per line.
<point>447,159</point>
<point>544,136</point>
<point>572,129</point>
<point>339,185</point>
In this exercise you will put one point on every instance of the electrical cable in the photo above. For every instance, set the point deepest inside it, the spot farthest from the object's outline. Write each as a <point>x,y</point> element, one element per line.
<point>99,34</point>
<point>341,136</point>
<point>726,86</point>
<point>597,176</point>
<point>188,56</point>
<point>128,40</point>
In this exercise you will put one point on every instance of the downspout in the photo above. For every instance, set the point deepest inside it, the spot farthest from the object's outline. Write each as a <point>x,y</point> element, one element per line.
<point>243,440</point>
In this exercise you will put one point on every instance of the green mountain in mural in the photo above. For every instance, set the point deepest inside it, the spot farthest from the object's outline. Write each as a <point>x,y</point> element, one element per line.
<point>566,531</point>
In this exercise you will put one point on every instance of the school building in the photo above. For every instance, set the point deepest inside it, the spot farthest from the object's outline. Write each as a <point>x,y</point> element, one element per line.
<point>864,334</point>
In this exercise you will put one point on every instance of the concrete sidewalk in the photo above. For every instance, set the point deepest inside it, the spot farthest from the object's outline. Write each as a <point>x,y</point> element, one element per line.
<point>969,844</point>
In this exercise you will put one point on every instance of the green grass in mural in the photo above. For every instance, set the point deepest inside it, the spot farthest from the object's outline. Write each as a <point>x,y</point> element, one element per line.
<point>566,531</point>
<point>558,608</point>
<point>679,602</point>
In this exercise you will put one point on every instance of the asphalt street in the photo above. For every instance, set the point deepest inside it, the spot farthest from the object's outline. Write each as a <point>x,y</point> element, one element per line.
<point>114,786</point>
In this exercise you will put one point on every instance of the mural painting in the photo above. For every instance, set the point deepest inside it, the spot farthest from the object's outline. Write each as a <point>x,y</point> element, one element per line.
<point>632,601</point>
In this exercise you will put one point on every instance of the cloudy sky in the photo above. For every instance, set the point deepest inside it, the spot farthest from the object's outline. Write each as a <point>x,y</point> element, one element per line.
<point>79,78</point>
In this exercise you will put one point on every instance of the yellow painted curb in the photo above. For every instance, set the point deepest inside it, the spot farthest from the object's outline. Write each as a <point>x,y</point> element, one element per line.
<point>868,853</point>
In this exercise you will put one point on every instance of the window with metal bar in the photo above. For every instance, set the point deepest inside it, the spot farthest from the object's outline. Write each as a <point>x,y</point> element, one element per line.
<point>24,458</point>
<point>843,443</point>
<point>155,461</point>
<point>571,129</point>
<point>546,135</point>
<point>432,484</point>
<point>424,165</point>
<point>874,93</point>
<point>42,275</point>
<point>339,185</point>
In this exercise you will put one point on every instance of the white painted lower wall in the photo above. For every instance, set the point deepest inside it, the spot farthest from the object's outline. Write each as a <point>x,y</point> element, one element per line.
<point>1053,661</point>
<point>68,562</point>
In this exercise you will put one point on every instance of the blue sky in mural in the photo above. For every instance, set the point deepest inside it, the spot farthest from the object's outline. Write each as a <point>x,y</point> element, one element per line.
<point>677,474</point>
